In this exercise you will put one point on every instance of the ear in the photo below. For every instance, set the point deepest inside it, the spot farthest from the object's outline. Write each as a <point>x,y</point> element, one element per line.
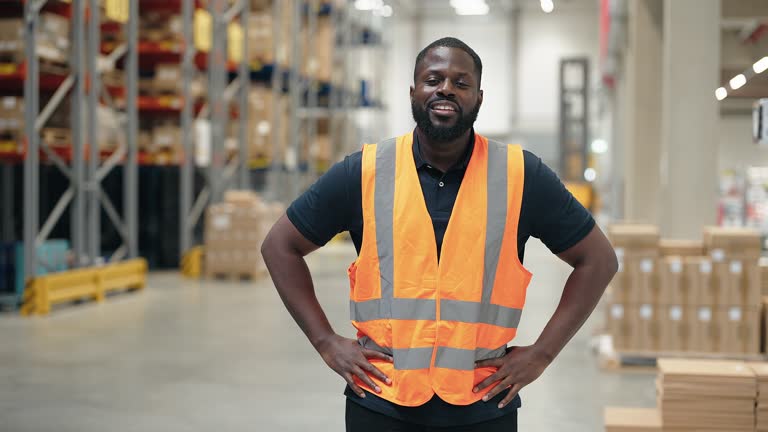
<point>480,98</point>
<point>411,92</point>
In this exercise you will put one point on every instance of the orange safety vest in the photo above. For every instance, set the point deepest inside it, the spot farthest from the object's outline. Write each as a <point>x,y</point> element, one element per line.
<point>438,318</point>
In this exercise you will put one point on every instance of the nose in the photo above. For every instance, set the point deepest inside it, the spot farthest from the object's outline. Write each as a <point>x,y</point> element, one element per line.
<point>446,89</point>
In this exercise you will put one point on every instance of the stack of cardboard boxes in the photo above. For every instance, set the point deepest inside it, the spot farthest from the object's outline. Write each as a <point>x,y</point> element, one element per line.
<point>706,395</point>
<point>52,41</point>
<point>634,291</point>
<point>261,131</point>
<point>682,296</point>
<point>697,395</point>
<point>234,232</point>
<point>761,408</point>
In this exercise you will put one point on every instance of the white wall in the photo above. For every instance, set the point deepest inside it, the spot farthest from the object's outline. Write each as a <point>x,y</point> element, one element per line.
<point>543,40</point>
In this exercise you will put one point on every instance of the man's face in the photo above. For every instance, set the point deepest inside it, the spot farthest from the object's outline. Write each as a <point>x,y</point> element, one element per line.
<point>445,97</point>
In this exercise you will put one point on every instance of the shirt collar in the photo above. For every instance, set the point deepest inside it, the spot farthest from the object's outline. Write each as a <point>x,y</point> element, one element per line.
<point>460,165</point>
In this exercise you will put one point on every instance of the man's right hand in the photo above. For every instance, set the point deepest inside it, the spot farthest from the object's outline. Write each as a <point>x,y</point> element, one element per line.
<point>349,359</point>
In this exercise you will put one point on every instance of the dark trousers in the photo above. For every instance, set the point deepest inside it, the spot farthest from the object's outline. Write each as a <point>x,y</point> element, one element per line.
<point>360,419</point>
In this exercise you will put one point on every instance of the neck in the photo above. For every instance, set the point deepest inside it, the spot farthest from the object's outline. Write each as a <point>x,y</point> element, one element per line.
<point>443,154</point>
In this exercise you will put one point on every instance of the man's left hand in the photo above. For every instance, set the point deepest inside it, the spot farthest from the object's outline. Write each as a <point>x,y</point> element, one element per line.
<point>518,368</point>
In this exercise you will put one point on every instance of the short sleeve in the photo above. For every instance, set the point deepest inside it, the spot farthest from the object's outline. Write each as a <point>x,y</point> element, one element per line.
<point>326,208</point>
<point>557,218</point>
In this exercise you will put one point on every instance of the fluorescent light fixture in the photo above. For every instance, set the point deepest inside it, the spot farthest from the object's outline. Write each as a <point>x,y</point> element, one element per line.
<point>386,11</point>
<point>721,93</point>
<point>599,146</point>
<point>547,6</point>
<point>470,7</point>
<point>761,65</point>
<point>738,81</point>
<point>590,174</point>
<point>367,5</point>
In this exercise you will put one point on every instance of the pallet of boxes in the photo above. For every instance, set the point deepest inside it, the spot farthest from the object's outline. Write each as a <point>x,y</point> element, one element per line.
<point>675,297</point>
<point>234,232</point>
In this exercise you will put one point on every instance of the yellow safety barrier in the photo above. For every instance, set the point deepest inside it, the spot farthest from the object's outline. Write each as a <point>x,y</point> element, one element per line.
<point>192,263</point>
<point>87,283</point>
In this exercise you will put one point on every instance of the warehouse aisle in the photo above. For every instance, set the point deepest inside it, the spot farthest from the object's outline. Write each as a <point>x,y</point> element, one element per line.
<point>201,356</point>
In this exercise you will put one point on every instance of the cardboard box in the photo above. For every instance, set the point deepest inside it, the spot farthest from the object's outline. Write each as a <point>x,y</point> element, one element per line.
<point>682,248</point>
<point>634,237</point>
<point>166,137</point>
<point>737,282</point>
<point>672,286</point>
<point>698,281</point>
<point>11,113</point>
<point>167,77</point>
<point>675,328</point>
<point>632,419</point>
<point>733,243</point>
<point>740,329</point>
<point>622,326</point>
<point>763,264</point>
<point>704,329</point>
<point>649,327</point>
<point>261,44</point>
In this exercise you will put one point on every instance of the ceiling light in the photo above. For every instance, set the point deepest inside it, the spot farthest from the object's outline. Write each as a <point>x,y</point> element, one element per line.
<point>470,7</point>
<point>547,6</point>
<point>367,5</point>
<point>761,65</point>
<point>590,174</point>
<point>599,146</point>
<point>721,93</point>
<point>738,81</point>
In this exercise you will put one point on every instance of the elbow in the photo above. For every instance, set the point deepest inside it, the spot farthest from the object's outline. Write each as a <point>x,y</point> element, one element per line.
<point>612,263</point>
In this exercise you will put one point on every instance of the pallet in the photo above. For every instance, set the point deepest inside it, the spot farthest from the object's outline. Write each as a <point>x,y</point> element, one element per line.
<point>235,276</point>
<point>643,361</point>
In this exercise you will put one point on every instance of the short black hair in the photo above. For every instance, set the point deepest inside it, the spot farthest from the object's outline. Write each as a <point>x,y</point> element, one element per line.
<point>451,42</point>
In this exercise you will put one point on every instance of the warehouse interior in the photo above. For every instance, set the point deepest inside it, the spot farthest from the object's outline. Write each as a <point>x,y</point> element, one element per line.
<point>147,147</point>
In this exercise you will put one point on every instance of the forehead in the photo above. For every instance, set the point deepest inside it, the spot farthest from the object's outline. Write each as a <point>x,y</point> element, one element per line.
<point>446,59</point>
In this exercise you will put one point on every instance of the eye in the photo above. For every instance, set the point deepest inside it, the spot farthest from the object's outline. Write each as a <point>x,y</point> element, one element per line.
<point>431,81</point>
<point>462,84</point>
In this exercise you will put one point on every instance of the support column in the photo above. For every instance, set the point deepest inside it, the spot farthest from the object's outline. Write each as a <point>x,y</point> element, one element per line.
<point>642,108</point>
<point>690,116</point>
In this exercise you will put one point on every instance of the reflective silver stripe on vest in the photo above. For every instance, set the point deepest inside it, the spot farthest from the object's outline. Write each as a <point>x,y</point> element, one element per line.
<point>464,359</point>
<point>404,358</point>
<point>496,214</point>
<point>383,203</point>
<point>479,313</point>
<point>401,309</point>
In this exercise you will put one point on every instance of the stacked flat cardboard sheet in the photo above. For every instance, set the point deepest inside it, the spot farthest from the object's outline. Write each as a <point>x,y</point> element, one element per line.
<point>761,371</point>
<point>632,420</point>
<point>706,395</point>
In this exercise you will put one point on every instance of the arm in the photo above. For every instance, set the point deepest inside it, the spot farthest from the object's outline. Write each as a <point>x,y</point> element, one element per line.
<point>284,250</point>
<point>594,264</point>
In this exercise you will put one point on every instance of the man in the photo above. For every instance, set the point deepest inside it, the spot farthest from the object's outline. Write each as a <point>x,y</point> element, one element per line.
<point>439,218</point>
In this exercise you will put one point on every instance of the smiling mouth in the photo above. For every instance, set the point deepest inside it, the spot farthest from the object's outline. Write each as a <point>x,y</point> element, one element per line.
<point>442,108</point>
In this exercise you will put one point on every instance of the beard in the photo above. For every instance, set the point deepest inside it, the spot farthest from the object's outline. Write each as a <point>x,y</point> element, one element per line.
<point>443,133</point>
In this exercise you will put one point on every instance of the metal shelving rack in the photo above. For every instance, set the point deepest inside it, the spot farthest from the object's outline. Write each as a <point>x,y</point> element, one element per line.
<point>83,169</point>
<point>220,174</point>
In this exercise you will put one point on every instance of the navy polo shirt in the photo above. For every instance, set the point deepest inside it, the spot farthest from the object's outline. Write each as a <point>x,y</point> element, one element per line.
<point>334,204</point>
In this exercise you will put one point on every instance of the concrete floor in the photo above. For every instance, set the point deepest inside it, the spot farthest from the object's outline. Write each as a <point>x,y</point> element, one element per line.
<point>226,356</point>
